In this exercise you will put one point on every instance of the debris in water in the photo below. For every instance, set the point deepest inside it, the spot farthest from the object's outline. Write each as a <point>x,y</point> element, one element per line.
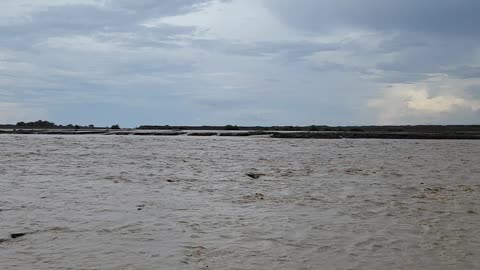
<point>434,189</point>
<point>468,189</point>
<point>259,196</point>
<point>255,175</point>
<point>252,198</point>
<point>16,235</point>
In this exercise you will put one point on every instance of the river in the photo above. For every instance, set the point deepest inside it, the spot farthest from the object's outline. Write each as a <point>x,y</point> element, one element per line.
<point>130,202</point>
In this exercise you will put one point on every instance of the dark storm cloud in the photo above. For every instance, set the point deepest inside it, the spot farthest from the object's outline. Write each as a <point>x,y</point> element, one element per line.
<point>119,17</point>
<point>415,38</point>
<point>442,17</point>
<point>454,57</point>
<point>37,66</point>
<point>426,36</point>
<point>225,59</point>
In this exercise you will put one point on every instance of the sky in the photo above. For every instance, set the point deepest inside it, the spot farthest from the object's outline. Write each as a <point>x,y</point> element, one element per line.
<point>243,62</point>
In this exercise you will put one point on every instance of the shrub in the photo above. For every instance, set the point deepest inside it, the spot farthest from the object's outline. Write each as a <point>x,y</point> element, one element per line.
<point>230,127</point>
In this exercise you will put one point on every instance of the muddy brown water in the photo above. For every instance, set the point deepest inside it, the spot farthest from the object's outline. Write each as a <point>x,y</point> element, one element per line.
<point>124,202</point>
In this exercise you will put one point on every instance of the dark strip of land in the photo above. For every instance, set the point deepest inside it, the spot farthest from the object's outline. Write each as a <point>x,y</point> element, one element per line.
<point>448,132</point>
<point>367,135</point>
<point>264,133</point>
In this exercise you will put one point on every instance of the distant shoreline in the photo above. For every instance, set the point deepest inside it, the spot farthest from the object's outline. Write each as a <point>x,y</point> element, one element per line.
<point>248,133</point>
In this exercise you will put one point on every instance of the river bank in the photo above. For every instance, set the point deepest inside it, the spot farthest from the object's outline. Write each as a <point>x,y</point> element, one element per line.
<point>246,133</point>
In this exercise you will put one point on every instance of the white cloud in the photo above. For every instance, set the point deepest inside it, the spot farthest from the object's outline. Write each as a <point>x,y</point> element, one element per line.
<point>237,20</point>
<point>419,100</point>
<point>413,104</point>
<point>82,43</point>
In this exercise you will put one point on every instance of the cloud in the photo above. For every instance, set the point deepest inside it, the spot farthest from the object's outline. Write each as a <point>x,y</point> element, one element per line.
<point>20,11</point>
<point>433,17</point>
<point>232,20</point>
<point>420,101</point>
<point>409,104</point>
<point>411,37</point>
<point>257,62</point>
<point>465,72</point>
<point>14,112</point>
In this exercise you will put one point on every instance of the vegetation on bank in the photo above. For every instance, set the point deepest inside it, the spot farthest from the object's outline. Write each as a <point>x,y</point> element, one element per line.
<point>441,129</point>
<point>313,128</point>
<point>40,124</point>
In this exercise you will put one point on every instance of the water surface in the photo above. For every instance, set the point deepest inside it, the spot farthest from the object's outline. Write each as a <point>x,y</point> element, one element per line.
<point>125,202</point>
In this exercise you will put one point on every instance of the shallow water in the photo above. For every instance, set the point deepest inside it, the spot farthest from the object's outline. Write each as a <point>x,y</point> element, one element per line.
<point>125,202</point>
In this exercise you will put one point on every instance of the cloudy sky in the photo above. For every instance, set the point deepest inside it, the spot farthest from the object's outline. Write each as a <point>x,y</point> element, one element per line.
<point>245,62</point>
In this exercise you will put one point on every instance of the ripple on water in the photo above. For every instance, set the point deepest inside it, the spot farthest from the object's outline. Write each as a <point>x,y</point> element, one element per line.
<point>103,202</point>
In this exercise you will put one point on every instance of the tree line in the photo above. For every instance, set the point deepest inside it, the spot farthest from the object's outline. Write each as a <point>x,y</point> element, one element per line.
<point>52,125</point>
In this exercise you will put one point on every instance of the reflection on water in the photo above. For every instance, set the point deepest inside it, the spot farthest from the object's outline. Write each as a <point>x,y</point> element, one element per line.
<point>98,202</point>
